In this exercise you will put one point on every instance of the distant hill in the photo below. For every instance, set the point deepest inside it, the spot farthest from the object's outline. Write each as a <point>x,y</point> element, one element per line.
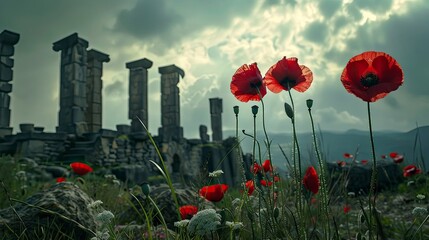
<point>414,145</point>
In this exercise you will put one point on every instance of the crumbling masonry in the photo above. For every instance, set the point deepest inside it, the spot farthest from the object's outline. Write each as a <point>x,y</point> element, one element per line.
<point>127,150</point>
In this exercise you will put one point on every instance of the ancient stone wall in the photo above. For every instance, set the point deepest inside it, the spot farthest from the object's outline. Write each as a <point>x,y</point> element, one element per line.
<point>7,41</point>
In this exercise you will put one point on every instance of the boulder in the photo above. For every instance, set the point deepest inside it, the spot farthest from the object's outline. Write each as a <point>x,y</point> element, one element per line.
<point>59,212</point>
<point>357,178</point>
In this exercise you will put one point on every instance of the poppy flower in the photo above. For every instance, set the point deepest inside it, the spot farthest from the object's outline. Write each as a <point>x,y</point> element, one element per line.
<point>311,180</point>
<point>347,155</point>
<point>60,179</point>
<point>364,162</point>
<point>341,163</point>
<point>214,193</point>
<point>286,74</point>
<point>276,179</point>
<point>256,168</point>
<point>246,82</point>
<point>347,209</point>
<point>187,211</point>
<point>372,75</point>
<point>393,154</point>
<point>250,185</point>
<point>80,168</point>
<point>383,156</point>
<point>398,158</point>
<point>267,166</point>
<point>266,183</point>
<point>411,170</point>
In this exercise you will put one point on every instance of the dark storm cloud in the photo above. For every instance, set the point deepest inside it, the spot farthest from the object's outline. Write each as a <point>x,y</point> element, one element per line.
<point>329,7</point>
<point>148,19</point>
<point>316,32</point>
<point>378,6</point>
<point>166,22</point>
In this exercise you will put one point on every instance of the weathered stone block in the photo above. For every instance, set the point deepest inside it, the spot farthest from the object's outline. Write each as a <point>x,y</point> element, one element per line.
<point>4,100</point>
<point>6,49</point>
<point>4,117</point>
<point>5,87</point>
<point>6,73</point>
<point>8,62</point>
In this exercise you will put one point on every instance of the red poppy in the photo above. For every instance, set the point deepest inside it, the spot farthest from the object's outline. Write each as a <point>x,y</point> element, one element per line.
<point>267,166</point>
<point>265,183</point>
<point>245,83</point>
<point>398,158</point>
<point>341,163</point>
<point>276,179</point>
<point>187,211</point>
<point>60,179</point>
<point>411,170</point>
<point>364,162</point>
<point>372,75</point>
<point>80,168</point>
<point>347,155</point>
<point>311,180</point>
<point>250,185</point>
<point>393,154</point>
<point>286,74</point>
<point>347,209</point>
<point>214,193</point>
<point>256,168</point>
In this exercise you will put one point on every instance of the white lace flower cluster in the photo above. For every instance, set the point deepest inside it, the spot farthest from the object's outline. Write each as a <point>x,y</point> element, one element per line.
<point>216,173</point>
<point>204,222</point>
<point>234,225</point>
<point>420,211</point>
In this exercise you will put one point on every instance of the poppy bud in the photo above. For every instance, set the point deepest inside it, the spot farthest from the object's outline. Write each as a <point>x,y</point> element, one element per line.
<point>146,189</point>
<point>276,212</point>
<point>288,110</point>
<point>255,110</point>
<point>309,103</point>
<point>236,110</point>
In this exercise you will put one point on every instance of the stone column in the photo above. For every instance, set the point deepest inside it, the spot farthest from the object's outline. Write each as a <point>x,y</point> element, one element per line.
<point>7,41</point>
<point>94,85</point>
<point>71,118</point>
<point>216,118</point>
<point>170,103</point>
<point>138,96</point>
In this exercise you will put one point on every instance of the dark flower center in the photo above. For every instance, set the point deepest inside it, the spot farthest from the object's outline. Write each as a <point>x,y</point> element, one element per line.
<point>369,80</point>
<point>288,82</point>
<point>255,84</point>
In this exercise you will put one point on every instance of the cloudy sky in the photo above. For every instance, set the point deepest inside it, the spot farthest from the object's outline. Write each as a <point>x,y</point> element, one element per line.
<point>209,40</point>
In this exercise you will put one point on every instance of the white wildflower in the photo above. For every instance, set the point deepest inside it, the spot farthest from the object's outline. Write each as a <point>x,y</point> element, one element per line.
<point>215,173</point>
<point>234,225</point>
<point>236,202</point>
<point>101,235</point>
<point>420,211</point>
<point>21,175</point>
<point>204,222</point>
<point>421,196</point>
<point>182,224</point>
<point>104,217</point>
<point>116,182</point>
<point>409,183</point>
<point>351,194</point>
<point>95,204</point>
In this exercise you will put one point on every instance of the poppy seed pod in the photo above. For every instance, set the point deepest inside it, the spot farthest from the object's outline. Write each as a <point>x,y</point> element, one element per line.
<point>236,110</point>
<point>255,110</point>
<point>146,189</point>
<point>288,110</point>
<point>309,103</point>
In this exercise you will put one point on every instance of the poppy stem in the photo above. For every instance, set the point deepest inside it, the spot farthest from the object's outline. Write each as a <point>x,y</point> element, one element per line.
<point>372,190</point>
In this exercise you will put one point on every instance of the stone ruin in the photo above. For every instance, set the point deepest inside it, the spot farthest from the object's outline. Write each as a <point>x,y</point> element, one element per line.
<point>80,136</point>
